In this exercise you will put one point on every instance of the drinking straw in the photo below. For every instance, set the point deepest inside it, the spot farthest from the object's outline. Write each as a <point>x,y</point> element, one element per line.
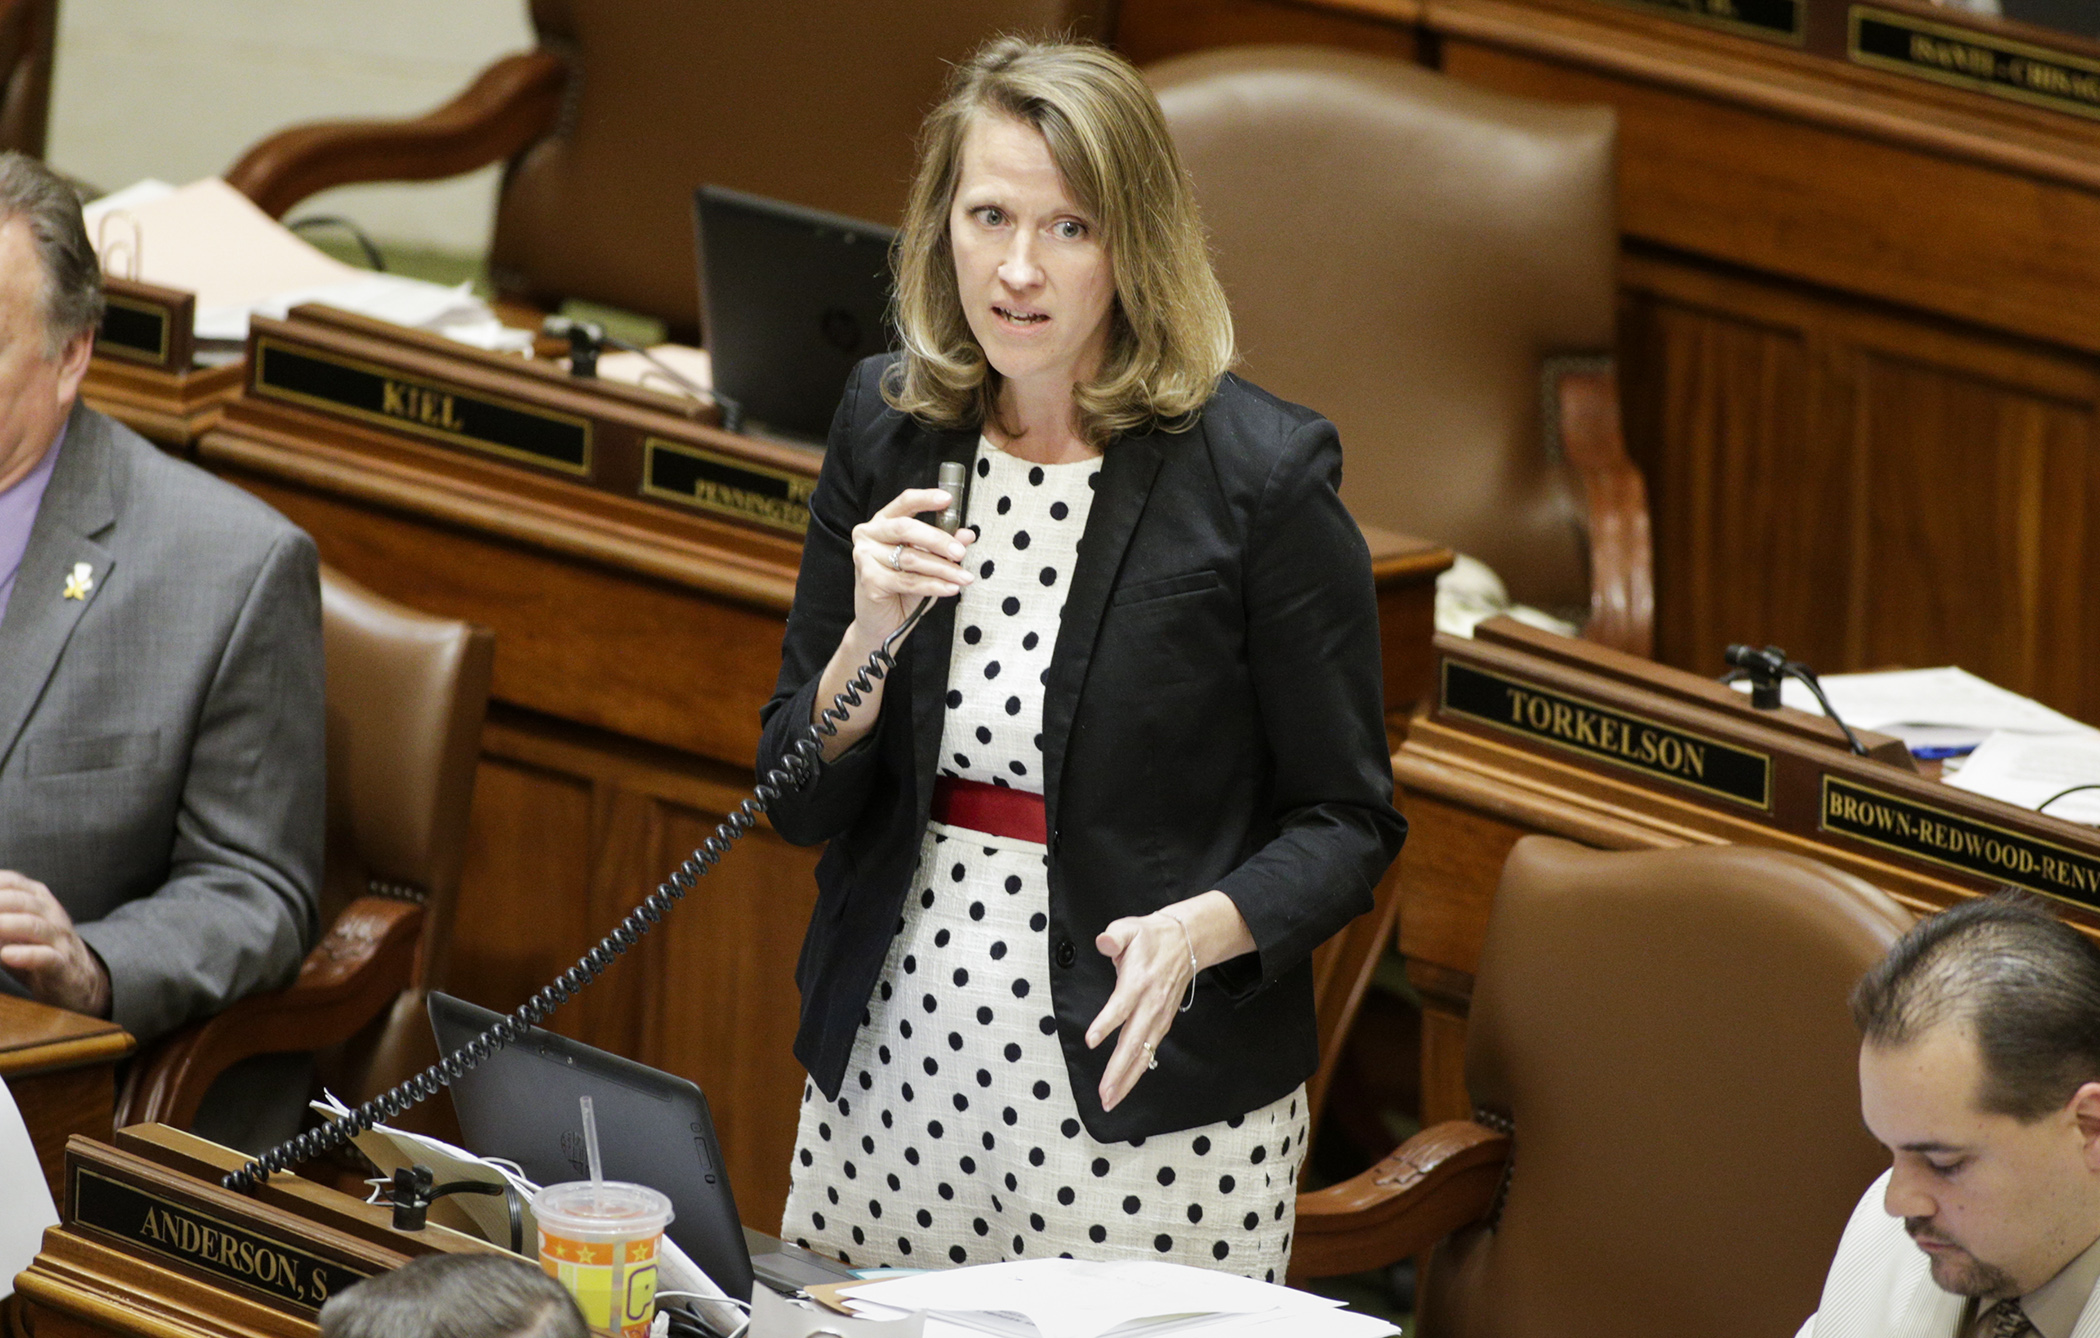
<point>590,1146</point>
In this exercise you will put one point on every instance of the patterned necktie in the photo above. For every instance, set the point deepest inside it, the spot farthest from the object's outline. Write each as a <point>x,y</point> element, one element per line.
<point>2007,1320</point>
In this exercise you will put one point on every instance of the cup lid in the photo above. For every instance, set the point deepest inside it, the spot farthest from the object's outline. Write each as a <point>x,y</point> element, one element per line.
<point>612,1207</point>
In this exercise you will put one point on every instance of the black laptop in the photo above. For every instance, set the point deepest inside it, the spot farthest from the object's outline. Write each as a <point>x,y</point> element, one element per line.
<point>792,298</point>
<point>653,1129</point>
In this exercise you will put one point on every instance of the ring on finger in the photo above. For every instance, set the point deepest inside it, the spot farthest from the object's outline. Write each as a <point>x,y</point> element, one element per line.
<point>1151,1059</point>
<point>897,558</point>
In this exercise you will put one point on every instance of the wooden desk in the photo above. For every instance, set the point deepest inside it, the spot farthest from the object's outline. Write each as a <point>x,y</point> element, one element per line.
<point>1860,366</point>
<point>635,643</point>
<point>61,1068</point>
<point>1474,782</point>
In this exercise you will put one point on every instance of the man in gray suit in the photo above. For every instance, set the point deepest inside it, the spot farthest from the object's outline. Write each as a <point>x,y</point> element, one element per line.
<point>161,720</point>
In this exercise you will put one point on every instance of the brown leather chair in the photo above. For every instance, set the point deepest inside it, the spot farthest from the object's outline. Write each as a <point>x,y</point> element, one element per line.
<point>1432,266</point>
<point>1668,1138</point>
<point>27,28</point>
<point>406,693</point>
<point>622,109</point>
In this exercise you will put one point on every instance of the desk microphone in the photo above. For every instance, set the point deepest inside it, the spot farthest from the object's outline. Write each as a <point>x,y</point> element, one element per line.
<point>1765,668</point>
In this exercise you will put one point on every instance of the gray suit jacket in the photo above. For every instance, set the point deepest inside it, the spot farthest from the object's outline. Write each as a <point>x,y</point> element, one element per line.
<point>161,739</point>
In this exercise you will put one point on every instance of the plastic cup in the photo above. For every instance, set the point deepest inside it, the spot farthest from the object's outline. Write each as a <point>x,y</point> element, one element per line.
<point>600,1242</point>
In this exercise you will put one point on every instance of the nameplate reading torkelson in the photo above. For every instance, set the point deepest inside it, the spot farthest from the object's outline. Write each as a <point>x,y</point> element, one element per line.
<point>478,421</point>
<point>1957,842</point>
<point>1777,20</point>
<point>1593,730</point>
<point>730,487</point>
<point>1967,58</point>
<point>279,1269</point>
<point>134,330</point>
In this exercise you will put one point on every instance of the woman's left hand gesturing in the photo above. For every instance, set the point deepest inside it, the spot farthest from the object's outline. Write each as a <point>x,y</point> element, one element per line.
<point>1154,969</point>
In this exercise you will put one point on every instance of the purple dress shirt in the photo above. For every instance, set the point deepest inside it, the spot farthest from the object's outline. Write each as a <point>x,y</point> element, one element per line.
<point>18,508</point>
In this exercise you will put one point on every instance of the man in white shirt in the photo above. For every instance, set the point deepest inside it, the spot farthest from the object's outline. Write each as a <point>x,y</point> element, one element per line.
<point>1980,1072</point>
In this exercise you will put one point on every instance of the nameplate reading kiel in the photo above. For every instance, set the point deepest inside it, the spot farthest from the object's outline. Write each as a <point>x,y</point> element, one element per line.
<point>1957,842</point>
<point>137,331</point>
<point>374,394</point>
<point>730,487</point>
<point>1592,730</point>
<point>1982,61</point>
<point>1776,20</point>
<point>278,1269</point>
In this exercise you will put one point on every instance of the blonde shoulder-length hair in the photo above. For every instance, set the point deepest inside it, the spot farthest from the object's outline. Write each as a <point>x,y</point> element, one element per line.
<point>1170,337</point>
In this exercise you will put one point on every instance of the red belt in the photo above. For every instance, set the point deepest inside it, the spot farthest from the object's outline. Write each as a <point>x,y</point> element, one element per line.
<point>993,809</point>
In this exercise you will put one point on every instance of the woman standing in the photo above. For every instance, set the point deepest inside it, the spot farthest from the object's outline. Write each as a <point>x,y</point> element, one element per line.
<point>1085,836</point>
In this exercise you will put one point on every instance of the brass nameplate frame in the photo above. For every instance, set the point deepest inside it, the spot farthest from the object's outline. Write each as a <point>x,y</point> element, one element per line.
<point>263,1263</point>
<point>1608,735</point>
<point>1955,841</point>
<point>1967,58</point>
<point>135,330</point>
<point>477,420</point>
<point>727,486</point>
<point>1771,20</point>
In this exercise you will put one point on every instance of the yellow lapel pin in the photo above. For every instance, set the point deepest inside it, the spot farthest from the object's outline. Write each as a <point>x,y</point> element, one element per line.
<point>80,582</point>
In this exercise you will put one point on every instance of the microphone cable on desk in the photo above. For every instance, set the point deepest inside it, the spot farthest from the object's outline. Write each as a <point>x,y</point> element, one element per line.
<point>1765,668</point>
<point>794,772</point>
<point>587,339</point>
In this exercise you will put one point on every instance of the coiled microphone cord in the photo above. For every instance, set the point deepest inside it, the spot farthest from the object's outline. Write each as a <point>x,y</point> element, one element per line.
<point>793,773</point>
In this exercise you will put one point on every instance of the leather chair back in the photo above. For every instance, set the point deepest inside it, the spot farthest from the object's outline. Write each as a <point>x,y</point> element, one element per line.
<point>1402,253</point>
<point>406,696</point>
<point>27,30</point>
<point>1667,1032</point>
<point>810,101</point>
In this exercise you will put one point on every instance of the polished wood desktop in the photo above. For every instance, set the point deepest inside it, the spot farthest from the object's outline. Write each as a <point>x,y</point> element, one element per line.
<point>61,1069</point>
<point>1859,364</point>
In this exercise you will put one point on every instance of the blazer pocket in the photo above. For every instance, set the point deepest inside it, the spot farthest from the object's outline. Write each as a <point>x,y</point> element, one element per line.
<point>1188,583</point>
<point>106,752</point>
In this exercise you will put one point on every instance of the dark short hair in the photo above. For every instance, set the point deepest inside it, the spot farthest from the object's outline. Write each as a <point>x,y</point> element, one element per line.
<point>2024,983</point>
<point>456,1296</point>
<point>50,205</point>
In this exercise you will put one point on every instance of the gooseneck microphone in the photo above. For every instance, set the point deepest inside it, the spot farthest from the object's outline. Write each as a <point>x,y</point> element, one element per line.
<point>1765,668</point>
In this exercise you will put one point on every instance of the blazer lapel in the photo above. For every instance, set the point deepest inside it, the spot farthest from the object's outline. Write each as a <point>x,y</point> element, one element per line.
<point>47,602</point>
<point>923,663</point>
<point>1919,1309</point>
<point>1128,469</point>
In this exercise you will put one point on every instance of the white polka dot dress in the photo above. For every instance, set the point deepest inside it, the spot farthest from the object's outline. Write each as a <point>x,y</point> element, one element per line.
<point>955,1139</point>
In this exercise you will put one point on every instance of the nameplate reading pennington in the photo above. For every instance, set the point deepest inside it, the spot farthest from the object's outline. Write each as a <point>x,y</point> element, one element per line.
<point>137,331</point>
<point>1584,727</point>
<point>1954,841</point>
<point>278,1269</point>
<point>1774,20</point>
<point>730,487</point>
<point>1967,58</point>
<point>375,394</point>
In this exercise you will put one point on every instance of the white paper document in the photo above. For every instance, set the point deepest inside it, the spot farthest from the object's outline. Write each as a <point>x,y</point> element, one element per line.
<point>2029,770</point>
<point>26,1198</point>
<point>1067,1298</point>
<point>1948,697</point>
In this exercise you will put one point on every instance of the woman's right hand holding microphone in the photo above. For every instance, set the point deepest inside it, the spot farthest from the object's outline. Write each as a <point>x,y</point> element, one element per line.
<point>898,559</point>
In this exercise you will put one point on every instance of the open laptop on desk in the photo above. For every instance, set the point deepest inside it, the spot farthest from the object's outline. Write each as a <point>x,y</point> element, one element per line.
<point>792,298</point>
<point>655,1130</point>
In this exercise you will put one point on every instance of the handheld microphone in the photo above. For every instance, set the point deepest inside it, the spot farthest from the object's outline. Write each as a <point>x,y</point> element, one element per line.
<point>954,480</point>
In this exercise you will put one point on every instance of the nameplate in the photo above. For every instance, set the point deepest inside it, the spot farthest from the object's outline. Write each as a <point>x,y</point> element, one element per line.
<point>257,1261</point>
<point>727,486</point>
<point>1954,841</point>
<point>1976,60</point>
<point>1773,20</point>
<point>135,331</point>
<point>490,424</point>
<point>1592,730</point>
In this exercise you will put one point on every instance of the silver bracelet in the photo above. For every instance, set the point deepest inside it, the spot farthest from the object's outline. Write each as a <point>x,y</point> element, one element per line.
<point>1190,1000</point>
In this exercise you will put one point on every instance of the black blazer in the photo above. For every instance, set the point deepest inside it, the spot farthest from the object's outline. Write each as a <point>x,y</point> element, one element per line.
<point>1212,719</point>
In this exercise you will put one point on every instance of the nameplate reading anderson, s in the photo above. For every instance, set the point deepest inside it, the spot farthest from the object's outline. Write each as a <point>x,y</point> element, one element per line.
<point>1957,842</point>
<point>1968,58</point>
<point>1592,730</point>
<point>1776,20</point>
<point>279,1269</point>
<point>730,487</point>
<point>374,394</point>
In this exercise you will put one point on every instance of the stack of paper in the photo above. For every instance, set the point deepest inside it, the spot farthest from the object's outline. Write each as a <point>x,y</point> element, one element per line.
<point>209,239</point>
<point>22,1189</point>
<point>1068,1298</point>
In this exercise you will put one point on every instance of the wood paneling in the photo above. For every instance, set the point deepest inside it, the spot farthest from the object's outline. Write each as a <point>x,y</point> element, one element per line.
<point>1150,30</point>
